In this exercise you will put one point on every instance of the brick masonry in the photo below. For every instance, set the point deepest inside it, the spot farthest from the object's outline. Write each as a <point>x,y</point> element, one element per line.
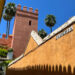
<point>25,22</point>
<point>6,42</point>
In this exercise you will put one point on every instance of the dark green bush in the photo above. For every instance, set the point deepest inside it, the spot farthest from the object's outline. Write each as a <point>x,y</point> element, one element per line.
<point>10,50</point>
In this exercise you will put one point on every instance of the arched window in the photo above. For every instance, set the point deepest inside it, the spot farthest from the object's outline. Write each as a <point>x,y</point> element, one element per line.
<point>30,22</point>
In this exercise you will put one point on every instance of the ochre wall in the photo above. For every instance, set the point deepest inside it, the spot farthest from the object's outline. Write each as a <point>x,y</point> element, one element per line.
<point>22,29</point>
<point>52,52</point>
<point>2,2</point>
<point>31,45</point>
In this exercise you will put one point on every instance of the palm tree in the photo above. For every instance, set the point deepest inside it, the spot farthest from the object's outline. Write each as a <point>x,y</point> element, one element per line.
<point>7,18</point>
<point>10,11</point>
<point>50,21</point>
<point>42,33</point>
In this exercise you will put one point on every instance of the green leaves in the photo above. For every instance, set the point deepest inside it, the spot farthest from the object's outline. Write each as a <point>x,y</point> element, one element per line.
<point>7,17</point>
<point>10,9</point>
<point>5,63</point>
<point>3,47</point>
<point>50,21</point>
<point>42,33</point>
<point>10,50</point>
<point>3,52</point>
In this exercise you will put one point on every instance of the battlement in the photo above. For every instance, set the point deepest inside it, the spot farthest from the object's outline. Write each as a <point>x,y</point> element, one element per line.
<point>25,9</point>
<point>6,41</point>
<point>4,36</point>
<point>27,13</point>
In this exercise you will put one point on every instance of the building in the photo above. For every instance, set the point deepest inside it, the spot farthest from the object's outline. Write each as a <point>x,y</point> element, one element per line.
<point>25,22</point>
<point>56,50</point>
<point>2,2</point>
<point>6,42</point>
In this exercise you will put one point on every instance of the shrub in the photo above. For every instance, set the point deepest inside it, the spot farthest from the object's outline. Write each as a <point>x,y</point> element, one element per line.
<point>3,52</point>
<point>5,63</point>
<point>10,50</point>
<point>3,47</point>
<point>42,33</point>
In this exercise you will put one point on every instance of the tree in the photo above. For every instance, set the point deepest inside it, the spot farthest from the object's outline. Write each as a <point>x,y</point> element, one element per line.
<point>10,10</point>
<point>50,21</point>
<point>7,18</point>
<point>42,33</point>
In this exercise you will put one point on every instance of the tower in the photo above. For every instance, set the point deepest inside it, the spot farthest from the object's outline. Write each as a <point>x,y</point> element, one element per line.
<point>25,22</point>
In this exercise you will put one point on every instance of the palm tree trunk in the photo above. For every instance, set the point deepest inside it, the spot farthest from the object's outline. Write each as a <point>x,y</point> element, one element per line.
<point>7,30</point>
<point>51,29</point>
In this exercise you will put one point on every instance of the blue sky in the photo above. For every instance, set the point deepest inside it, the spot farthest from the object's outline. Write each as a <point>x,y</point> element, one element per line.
<point>62,9</point>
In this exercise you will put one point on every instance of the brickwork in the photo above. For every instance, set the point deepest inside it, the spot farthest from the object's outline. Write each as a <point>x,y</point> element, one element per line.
<point>6,42</point>
<point>25,22</point>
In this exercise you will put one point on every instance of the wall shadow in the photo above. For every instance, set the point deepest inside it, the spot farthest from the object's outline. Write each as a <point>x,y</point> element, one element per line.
<point>42,70</point>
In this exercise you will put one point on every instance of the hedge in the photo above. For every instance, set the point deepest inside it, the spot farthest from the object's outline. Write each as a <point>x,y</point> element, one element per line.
<point>3,52</point>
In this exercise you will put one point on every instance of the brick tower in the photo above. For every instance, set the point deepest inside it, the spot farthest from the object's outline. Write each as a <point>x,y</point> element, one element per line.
<point>25,22</point>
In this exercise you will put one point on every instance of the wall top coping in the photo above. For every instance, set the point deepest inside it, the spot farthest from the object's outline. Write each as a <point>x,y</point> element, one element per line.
<point>36,37</point>
<point>39,40</point>
<point>62,27</point>
<point>16,60</point>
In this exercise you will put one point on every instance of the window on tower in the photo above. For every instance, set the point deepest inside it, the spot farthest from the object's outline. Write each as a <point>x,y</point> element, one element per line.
<point>30,22</point>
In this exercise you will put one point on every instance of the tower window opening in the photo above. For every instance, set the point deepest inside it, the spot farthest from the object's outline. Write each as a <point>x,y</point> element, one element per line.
<point>30,22</point>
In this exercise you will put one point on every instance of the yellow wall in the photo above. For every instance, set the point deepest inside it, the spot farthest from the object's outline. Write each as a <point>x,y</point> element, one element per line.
<point>31,45</point>
<point>2,2</point>
<point>52,52</point>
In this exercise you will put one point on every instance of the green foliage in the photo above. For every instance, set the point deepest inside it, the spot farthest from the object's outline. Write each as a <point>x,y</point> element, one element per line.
<point>7,17</point>
<point>5,63</point>
<point>10,9</point>
<point>3,52</point>
<point>42,33</point>
<point>3,47</point>
<point>50,21</point>
<point>10,50</point>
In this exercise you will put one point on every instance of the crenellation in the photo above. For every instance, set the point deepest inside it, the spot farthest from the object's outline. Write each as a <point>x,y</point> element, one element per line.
<point>36,11</point>
<point>10,37</point>
<point>19,7</point>
<point>30,9</point>
<point>24,8</point>
<point>6,41</point>
<point>4,36</point>
<point>25,11</point>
